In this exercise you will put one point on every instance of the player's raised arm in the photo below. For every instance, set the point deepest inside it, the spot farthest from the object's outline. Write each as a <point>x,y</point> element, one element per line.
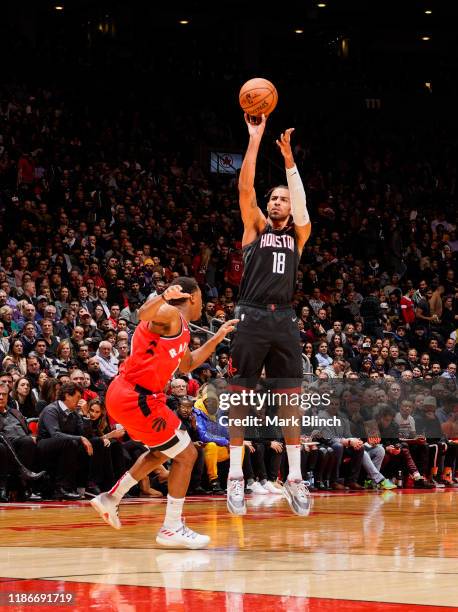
<point>194,359</point>
<point>158,312</point>
<point>252,217</point>
<point>297,197</point>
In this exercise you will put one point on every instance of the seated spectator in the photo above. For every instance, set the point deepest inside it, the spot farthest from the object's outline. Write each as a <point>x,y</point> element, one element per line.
<point>108,363</point>
<point>63,358</point>
<point>187,416</point>
<point>111,437</point>
<point>45,363</point>
<point>64,328</point>
<point>130,312</point>
<point>441,454</point>
<point>52,342</point>
<point>24,400</point>
<point>204,373</point>
<point>122,348</point>
<point>16,356</point>
<point>6,317</point>
<point>36,391</point>
<point>13,426</point>
<point>323,360</point>
<point>405,421</point>
<point>214,436</point>
<point>398,455</point>
<point>63,448</point>
<point>28,338</point>
<point>33,369</point>
<point>339,438</point>
<point>178,391</point>
<point>48,394</point>
<point>222,365</point>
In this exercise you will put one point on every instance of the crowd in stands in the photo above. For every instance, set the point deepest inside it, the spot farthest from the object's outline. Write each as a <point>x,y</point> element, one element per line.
<point>95,218</point>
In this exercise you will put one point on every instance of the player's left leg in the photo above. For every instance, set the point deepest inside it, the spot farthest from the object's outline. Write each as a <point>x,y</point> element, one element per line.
<point>174,533</point>
<point>284,374</point>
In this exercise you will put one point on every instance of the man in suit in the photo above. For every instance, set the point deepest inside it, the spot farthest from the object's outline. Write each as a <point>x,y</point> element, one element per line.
<point>14,428</point>
<point>63,447</point>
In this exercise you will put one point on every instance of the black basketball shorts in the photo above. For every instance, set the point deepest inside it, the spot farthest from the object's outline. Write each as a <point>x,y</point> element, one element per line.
<point>266,338</point>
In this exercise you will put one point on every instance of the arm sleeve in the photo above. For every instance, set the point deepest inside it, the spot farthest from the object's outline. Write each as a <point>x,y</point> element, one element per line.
<point>297,197</point>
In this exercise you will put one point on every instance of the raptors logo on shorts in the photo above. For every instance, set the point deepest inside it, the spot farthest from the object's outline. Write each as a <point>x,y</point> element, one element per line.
<point>136,397</point>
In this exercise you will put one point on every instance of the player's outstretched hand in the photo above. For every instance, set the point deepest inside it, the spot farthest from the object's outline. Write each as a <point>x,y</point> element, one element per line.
<point>256,130</point>
<point>175,292</point>
<point>226,328</point>
<point>284,144</point>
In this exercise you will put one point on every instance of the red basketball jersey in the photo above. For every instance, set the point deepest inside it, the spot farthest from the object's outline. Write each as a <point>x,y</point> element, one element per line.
<point>235,269</point>
<point>154,358</point>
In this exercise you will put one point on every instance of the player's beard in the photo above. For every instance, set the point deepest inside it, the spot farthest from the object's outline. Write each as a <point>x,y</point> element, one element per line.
<point>278,217</point>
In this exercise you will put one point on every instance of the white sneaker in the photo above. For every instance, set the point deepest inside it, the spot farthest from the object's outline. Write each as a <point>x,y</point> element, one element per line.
<point>236,496</point>
<point>271,487</point>
<point>257,487</point>
<point>183,537</point>
<point>298,497</point>
<point>107,507</point>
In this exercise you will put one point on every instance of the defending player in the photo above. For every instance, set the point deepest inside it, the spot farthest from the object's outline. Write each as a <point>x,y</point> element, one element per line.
<point>136,400</point>
<point>267,334</point>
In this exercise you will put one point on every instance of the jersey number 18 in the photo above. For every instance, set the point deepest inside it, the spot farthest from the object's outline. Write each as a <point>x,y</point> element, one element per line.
<point>279,263</point>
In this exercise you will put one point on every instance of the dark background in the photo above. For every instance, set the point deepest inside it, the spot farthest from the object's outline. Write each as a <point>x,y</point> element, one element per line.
<point>135,56</point>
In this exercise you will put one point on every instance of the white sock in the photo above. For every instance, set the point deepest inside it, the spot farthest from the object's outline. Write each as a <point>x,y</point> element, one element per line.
<point>294,461</point>
<point>124,484</point>
<point>173,512</point>
<point>235,467</point>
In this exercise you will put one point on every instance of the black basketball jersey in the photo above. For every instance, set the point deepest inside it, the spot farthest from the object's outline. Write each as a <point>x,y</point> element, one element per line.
<point>270,268</point>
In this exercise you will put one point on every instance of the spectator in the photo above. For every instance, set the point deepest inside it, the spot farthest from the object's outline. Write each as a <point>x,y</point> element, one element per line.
<point>61,443</point>
<point>16,356</point>
<point>339,438</point>
<point>63,358</point>
<point>178,392</point>
<point>48,394</point>
<point>108,363</point>
<point>24,400</point>
<point>187,416</point>
<point>13,426</point>
<point>214,436</point>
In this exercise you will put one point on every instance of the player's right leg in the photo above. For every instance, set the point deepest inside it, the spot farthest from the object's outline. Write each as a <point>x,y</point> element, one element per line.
<point>284,371</point>
<point>107,504</point>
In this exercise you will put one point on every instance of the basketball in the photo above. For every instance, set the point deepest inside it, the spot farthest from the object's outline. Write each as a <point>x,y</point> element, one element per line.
<point>257,97</point>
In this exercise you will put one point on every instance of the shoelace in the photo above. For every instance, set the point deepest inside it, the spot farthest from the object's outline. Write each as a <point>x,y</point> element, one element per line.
<point>302,490</point>
<point>237,487</point>
<point>186,532</point>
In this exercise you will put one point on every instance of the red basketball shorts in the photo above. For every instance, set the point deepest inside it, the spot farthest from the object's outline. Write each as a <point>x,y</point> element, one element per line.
<point>146,417</point>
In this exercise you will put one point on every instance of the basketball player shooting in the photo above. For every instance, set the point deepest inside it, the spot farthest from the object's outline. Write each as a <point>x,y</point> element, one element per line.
<point>267,334</point>
<point>136,400</point>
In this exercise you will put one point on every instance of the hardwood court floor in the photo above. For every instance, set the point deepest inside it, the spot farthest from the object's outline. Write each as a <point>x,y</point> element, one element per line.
<point>395,551</point>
